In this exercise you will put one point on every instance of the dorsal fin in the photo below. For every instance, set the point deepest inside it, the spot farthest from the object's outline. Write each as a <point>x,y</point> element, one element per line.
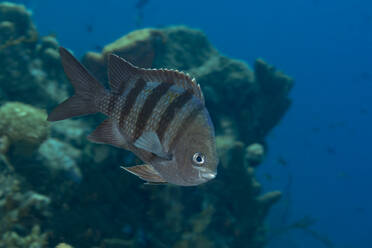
<point>121,73</point>
<point>176,77</point>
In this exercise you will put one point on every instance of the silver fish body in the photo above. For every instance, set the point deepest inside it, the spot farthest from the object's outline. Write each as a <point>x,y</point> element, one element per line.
<point>159,115</point>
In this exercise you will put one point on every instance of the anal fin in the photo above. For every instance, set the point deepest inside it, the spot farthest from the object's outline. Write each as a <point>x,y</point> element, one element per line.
<point>108,133</point>
<point>146,172</point>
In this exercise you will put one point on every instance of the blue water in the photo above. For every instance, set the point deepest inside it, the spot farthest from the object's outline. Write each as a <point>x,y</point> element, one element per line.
<point>325,45</point>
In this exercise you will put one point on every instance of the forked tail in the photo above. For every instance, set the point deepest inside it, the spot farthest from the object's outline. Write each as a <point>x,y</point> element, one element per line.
<point>87,90</point>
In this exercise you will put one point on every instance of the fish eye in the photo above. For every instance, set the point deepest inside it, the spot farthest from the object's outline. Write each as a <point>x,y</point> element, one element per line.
<point>198,159</point>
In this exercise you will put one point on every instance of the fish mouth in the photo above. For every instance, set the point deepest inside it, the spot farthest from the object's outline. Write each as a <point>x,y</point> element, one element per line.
<point>206,174</point>
<point>203,177</point>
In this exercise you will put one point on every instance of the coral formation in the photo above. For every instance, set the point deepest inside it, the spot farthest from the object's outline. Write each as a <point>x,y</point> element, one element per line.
<point>21,212</point>
<point>73,191</point>
<point>34,240</point>
<point>254,154</point>
<point>23,126</point>
<point>28,64</point>
<point>63,245</point>
<point>59,156</point>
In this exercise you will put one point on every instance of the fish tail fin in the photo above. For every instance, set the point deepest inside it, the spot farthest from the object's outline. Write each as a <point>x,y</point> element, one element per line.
<point>87,90</point>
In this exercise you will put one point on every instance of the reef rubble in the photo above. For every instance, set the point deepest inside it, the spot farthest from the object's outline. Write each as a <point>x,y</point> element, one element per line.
<point>63,190</point>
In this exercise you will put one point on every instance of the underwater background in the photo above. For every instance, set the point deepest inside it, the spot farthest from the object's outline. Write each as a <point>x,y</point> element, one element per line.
<point>293,127</point>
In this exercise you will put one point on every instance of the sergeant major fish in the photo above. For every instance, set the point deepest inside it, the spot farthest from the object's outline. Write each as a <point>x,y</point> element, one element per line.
<point>159,115</point>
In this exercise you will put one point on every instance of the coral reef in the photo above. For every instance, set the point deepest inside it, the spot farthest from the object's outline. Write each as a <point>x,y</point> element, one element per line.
<point>28,64</point>
<point>72,191</point>
<point>22,126</point>
<point>63,245</point>
<point>254,154</point>
<point>21,211</point>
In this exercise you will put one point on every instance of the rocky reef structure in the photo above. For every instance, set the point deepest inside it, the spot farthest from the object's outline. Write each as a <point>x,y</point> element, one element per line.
<point>30,70</point>
<point>22,211</point>
<point>70,191</point>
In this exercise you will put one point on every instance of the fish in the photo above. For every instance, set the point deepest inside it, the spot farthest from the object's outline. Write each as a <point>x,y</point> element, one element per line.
<point>315,129</point>
<point>363,111</point>
<point>268,177</point>
<point>331,150</point>
<point>98,48</point>
<point>282,161</point>
<point>140,5</point>
<point>89,28</point>
<point>157,114</point>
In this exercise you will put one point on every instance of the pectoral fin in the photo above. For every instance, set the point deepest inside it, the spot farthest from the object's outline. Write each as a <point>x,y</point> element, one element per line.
<point>146,172</point>
<point>149,141</point>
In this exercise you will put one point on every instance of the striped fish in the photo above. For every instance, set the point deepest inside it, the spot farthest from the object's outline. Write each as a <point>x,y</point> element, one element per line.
<point>159,115</point>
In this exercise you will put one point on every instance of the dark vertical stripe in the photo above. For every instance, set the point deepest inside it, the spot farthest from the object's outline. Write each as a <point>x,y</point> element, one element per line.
<point>131,99</point>
<point>149,106</point>
<point>113,97</point>
<point>186,123</point>
<point>122,87</point>
<point>170,112</point>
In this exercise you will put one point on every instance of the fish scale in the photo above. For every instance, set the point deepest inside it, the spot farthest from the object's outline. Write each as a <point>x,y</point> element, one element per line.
<point>156,114</point>
<point>177,121</point>
<point>151,103</point>
<point>129,123</point>
<point>165,101</point>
